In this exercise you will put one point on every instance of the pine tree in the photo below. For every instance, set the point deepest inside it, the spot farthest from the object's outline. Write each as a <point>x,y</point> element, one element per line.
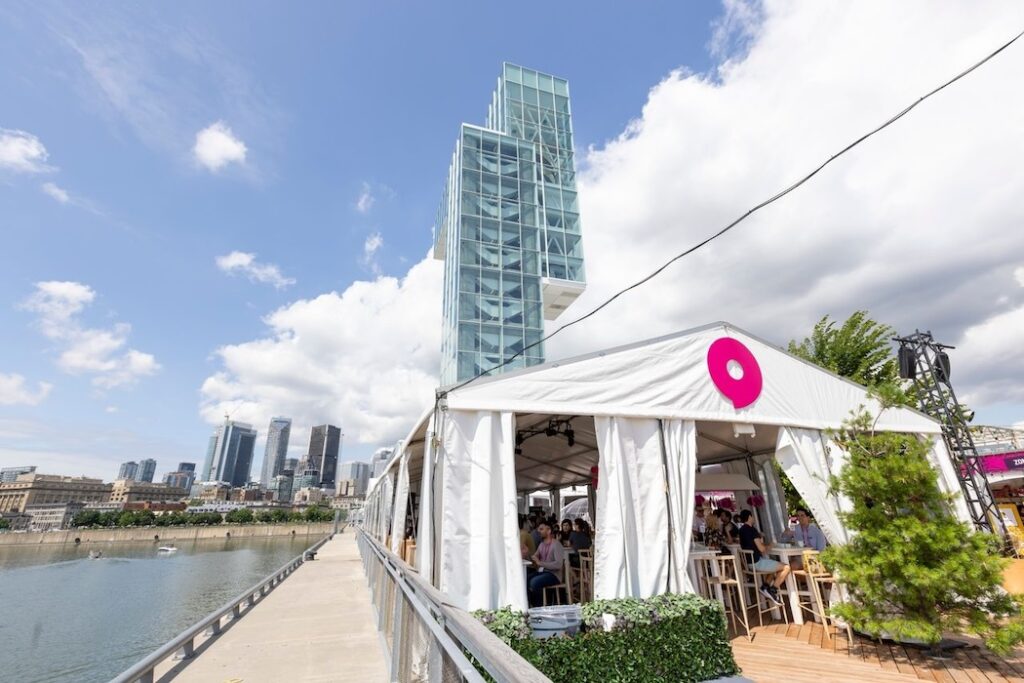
<point>912,570</point>
<point>859,349</point>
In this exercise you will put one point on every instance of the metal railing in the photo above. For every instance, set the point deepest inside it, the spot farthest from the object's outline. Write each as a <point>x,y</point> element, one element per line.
<point>183,645</point>
<point>426,638</point>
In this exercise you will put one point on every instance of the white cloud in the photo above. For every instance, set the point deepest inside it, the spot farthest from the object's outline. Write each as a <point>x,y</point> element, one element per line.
<point>217,146</point>
<point>98,352</point>
<point>366,199</point>
<point>920,225</point>
<point>22,152</point>
<point>373,243</point>
<point>110,409</point>
<point>58,193</point>
<point>1018,275</point>
<point>246,264</point>
<point>14,391</point>
<point>366,358</point>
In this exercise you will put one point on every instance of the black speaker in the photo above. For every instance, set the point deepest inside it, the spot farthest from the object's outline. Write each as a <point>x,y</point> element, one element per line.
<point>942,366</point>
<point>908,363</point>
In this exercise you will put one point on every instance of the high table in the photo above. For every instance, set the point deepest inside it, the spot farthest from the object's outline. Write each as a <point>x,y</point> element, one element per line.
<point>785,556</point>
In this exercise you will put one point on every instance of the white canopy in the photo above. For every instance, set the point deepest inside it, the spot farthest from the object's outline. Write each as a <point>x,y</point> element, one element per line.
<point>644,418</point>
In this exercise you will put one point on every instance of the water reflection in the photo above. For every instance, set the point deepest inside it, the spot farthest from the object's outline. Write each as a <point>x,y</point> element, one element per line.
<point>65,617</point>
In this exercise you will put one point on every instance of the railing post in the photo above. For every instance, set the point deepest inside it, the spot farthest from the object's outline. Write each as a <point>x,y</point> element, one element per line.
<point>396,635</point>
<point>187,649</point>
<point>146,677</point>
<point>214,628</point>
<point>236,611</point>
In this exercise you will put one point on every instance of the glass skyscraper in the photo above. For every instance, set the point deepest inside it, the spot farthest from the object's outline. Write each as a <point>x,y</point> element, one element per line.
<point>229,456</point>
<point>277,448</point>
<point>508,229</point>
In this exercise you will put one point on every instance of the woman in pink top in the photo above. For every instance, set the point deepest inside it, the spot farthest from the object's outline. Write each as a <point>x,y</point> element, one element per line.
<point>549,560</point>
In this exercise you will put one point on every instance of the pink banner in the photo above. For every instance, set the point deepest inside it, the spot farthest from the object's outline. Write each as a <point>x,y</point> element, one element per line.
<point>1003,462</point>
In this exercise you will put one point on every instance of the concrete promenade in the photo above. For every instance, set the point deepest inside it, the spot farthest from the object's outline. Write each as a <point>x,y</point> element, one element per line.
<point>317,626</point>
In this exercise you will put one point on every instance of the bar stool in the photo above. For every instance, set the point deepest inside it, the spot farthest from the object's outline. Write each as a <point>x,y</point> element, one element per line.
<point>747,559</point>
<point>586,574</point>
<point>818,575</point>
<point>724,575</point>
<point>565,585</point>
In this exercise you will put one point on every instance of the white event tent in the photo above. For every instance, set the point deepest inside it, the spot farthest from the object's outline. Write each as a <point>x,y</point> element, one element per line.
<point>645,418</point>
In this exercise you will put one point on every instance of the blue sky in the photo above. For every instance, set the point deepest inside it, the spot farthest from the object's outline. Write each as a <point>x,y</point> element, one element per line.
<point>226,207</point>
<point>329,99</point>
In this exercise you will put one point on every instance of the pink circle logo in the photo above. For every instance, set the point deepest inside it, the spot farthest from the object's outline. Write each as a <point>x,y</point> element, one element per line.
<point>735,371</point>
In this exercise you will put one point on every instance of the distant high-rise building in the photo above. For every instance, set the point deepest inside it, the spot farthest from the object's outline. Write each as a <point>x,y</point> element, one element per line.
<point>281,486</point>
<point>508,229</point>
<point>290,464</point>
<point>183,477</point>
<point>359,472</point>
<point>307,476</point>
<point>277,448</point>
<point>229,457</point>
<point>147,470</point>
<point>128,470</point>
<point>11,473</point>
<point>380,460</point>
<point>324,448</point>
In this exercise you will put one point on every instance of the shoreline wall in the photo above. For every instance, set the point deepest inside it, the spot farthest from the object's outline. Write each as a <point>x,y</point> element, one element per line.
<point>166,533</point>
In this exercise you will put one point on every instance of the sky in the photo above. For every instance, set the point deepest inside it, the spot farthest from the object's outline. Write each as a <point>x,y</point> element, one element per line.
<point>211,208</point>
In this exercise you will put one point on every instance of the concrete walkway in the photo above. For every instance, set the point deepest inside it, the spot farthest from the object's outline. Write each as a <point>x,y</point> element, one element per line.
<point>318,625</point>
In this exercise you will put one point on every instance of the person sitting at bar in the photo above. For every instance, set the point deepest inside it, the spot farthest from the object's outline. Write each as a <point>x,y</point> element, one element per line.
<point>726,525</point>
<point>526,539</point>
<point>700,525</point>
<point>565,534</point>
<point>806,531</point>
<point>581,538</point>
<point>752,540</point>
<point>549,560</point>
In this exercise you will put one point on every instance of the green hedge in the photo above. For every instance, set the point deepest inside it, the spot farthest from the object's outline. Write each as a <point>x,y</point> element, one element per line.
<point>665,638</point>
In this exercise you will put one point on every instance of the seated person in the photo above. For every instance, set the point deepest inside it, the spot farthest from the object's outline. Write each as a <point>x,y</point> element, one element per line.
<point>565,534</point>
<point>752,540</point>
<point>534,521</point>
<point>581,538</point>
<point>526,539</point>
<point>699,523</point>
<point>806,531</point>
<point>548,561</point>
<point>725,523</point>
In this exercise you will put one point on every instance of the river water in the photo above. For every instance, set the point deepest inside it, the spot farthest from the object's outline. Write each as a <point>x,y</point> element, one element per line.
<point>66,618</point>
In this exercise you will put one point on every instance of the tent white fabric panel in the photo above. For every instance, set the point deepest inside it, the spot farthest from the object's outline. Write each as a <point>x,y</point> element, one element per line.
<point>401,502</point>
<point>632,510</point>
<point>425,545</point>
<point>480,558</point>
<point>680,440</point>
<point>803,457</point>
<point>669,378</point>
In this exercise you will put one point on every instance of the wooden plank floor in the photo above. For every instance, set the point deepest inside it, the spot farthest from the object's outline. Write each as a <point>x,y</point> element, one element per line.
<point>787,653</point>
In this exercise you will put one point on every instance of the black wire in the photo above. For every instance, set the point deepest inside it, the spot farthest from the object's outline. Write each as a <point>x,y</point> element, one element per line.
<point>739,220</point>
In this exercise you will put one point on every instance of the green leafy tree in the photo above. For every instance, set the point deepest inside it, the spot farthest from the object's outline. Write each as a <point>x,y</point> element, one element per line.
<point>4,523</point>
<point>278,515</point>
<point>108,518</point>
<point>239,516</point>
<point>859,349</point>
<point>126,518</point>
<point>913,570</point>
<point>86,518</point>
<point>264,516</point>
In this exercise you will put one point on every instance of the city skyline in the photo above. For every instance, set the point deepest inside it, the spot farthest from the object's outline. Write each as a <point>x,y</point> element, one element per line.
<point>276,449</point>
<point>672,139</point>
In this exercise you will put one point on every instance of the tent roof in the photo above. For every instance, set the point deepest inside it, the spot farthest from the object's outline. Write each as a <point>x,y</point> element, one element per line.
<point>723,481</point>
<point>668,377</point>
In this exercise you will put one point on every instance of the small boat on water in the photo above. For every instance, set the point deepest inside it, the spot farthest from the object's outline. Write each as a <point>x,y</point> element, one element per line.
<point>167,549</point>
<point>95,554</point>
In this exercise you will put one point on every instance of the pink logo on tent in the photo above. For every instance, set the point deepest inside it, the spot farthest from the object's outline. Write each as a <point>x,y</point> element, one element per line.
<point>742,390</point>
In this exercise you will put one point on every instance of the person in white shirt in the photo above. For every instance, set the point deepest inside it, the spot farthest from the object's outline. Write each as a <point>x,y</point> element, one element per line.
<point>806,532</point>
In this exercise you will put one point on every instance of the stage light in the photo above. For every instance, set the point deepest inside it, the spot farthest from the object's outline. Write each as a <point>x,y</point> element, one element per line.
<point>551,430</point>
<point>571,436</point>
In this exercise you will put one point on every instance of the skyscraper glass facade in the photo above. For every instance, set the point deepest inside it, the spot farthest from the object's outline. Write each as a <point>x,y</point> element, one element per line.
<point>508,228</point>
<point>278,434</point>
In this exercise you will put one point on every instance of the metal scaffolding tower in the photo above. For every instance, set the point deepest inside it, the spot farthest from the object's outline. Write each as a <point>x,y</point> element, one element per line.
<point>925,361</point>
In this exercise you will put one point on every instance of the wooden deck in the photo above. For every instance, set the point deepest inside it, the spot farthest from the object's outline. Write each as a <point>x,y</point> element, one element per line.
<point>781,653</point>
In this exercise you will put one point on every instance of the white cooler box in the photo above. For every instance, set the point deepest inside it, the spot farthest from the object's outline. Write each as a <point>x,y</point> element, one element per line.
<point>555,620</point>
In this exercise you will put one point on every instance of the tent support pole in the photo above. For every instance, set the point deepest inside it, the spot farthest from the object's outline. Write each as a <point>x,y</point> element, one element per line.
<point>668,502</point>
